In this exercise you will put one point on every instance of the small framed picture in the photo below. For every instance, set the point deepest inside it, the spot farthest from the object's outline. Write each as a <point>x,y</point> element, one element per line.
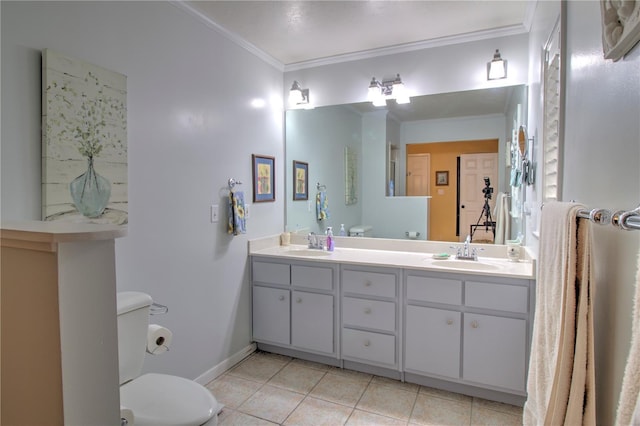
<point>300,180</point>
<point>264,184</point>
<point>442,178</point>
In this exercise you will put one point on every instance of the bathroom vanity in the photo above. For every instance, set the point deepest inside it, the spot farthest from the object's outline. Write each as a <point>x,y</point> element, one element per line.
<point>398,312</point>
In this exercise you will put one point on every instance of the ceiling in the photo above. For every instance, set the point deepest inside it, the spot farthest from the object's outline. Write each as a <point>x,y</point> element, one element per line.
<point>293,32</point>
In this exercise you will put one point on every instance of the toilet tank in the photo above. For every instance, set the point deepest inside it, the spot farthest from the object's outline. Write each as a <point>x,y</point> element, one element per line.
<point>361,231</point>
<point>133,324</point>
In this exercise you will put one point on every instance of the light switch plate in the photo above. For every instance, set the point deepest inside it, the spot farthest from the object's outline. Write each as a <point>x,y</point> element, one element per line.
<point>214,213</point>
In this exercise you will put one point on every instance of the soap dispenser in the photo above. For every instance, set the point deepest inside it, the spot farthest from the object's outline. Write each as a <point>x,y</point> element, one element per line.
<point>343,233</point>
<point>330,241</point>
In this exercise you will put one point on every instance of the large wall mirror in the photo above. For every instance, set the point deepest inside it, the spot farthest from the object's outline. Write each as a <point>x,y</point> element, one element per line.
<point>419,169</point>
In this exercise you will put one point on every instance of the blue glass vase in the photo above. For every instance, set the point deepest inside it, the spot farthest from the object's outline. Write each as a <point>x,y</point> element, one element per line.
<point>90,192</point>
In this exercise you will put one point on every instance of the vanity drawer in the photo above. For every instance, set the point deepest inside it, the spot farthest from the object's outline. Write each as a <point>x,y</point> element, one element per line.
<point>369,283</point>
<point>368,346</point>
<point>369,313</point>
<point>312,277</point>
<point>271,273</point>
<point>436,290</point>
<point>500,297</point>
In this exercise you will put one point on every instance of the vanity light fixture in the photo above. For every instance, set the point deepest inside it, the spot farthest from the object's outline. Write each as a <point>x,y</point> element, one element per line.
<point>497,67</point>
<point>379,92</point>
<point>298,95</point>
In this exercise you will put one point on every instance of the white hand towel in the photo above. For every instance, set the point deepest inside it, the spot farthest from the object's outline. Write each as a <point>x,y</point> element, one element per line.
<point>561,380</point>
<point>630,393</point>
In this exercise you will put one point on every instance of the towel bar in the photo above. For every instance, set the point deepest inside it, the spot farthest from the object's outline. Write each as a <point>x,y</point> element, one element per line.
<point>626,220</point>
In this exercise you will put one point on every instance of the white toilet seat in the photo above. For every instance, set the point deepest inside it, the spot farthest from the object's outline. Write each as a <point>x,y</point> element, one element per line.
<point>160,399</point>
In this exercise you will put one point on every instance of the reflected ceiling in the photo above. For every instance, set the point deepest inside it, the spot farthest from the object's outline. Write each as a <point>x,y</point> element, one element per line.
<point>446,105</point>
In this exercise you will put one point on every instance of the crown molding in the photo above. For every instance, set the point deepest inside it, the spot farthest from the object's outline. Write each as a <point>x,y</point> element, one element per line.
<point>409,47</point>
<point>229,35</point>
<point>365,54</point>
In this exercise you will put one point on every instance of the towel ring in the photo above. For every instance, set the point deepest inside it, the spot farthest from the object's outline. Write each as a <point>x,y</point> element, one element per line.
<point>232,182</point>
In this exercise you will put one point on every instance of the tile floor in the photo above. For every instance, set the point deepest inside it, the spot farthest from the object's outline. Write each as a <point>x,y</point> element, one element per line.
<point>268,389</point>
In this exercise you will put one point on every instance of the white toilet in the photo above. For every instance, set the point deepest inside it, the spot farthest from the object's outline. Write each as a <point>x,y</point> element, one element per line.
<point>155,399</point>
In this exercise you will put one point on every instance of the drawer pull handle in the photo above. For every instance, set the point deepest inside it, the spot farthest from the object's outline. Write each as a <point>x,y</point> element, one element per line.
<point>449,321</point>
<point>281,298</point>
<point>367,343</point>
<point>474,324</point>
<point>299,300</point>
<point>367,310</point>
<point>367,283</point>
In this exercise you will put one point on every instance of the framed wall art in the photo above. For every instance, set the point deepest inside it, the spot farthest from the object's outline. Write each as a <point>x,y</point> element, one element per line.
<point>300,180</point>
<point>350,176</point>
<point>84,141</point>
<point>442,178</point>
<point>620,27</point>
<point>264,184</point>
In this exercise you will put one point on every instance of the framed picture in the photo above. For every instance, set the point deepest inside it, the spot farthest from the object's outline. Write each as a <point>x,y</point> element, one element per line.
<point>620,27</point>
<point>442,178</point>
<point>300,180</point>
<point>264,184</point>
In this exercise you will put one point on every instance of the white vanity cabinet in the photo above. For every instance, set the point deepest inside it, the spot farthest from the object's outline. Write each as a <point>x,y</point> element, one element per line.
<point>462,332</point>
<point>468,330</point>
<point>294,305</point>
<point>370,315</point>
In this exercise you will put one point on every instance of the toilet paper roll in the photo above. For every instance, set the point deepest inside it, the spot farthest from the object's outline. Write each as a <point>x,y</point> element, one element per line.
<point>158,339</point>
<point>412,235</point>
<point>126,416</point>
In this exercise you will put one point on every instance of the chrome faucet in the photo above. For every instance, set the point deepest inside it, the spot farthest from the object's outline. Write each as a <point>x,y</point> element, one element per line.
<point>465,252</point>
<point>315,242</point>
<point>465,249</point>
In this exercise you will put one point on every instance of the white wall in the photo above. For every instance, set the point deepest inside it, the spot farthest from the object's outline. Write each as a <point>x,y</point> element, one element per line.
<point>318,137</point>
<point>191,128</point>
<point>601,157</point>
<point>601,154</point>
<point>390,217</point>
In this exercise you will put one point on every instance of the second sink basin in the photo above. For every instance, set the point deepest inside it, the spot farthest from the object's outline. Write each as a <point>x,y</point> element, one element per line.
<point>309,252</point>
<point>471,265</point>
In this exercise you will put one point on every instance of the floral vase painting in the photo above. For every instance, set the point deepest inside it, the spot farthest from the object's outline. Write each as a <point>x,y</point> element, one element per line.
<point>84,145</point>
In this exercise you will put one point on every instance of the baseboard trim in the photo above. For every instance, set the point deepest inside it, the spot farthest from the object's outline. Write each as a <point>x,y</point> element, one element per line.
<point>226,364</point>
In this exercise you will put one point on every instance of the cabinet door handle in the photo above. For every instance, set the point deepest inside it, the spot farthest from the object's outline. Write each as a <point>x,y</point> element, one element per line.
<point>474,324</point>
<point>299,300</point>
<point>367,310</point>
<point>367,283</point>
<point>281,298</point>
<point>449,321</point>
<point>367,343</point>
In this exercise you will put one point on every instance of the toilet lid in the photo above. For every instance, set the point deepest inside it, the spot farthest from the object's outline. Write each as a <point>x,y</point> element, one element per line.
<point>160,399</point>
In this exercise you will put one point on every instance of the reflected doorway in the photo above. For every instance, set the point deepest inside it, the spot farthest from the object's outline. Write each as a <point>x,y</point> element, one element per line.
<point>443,205</point>
<point>418,166</point>
<point>475,219</point>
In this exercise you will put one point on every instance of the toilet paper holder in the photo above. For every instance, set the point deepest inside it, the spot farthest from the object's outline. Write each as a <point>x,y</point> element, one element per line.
<point>158,309</point>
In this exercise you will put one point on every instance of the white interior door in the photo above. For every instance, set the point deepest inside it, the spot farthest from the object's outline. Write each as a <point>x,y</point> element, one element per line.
<point>473,169</point>
<point>418,169</point>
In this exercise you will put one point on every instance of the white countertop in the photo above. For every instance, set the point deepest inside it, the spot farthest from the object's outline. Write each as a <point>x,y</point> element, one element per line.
<point>57,232</point>
<point>413,258</point>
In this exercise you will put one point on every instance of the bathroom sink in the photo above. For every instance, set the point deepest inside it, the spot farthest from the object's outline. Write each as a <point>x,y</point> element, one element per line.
<point>470,265</point>
<point>309,252</point>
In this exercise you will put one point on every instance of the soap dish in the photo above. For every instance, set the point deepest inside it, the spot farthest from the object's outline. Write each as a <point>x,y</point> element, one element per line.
<point>441,255</point>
